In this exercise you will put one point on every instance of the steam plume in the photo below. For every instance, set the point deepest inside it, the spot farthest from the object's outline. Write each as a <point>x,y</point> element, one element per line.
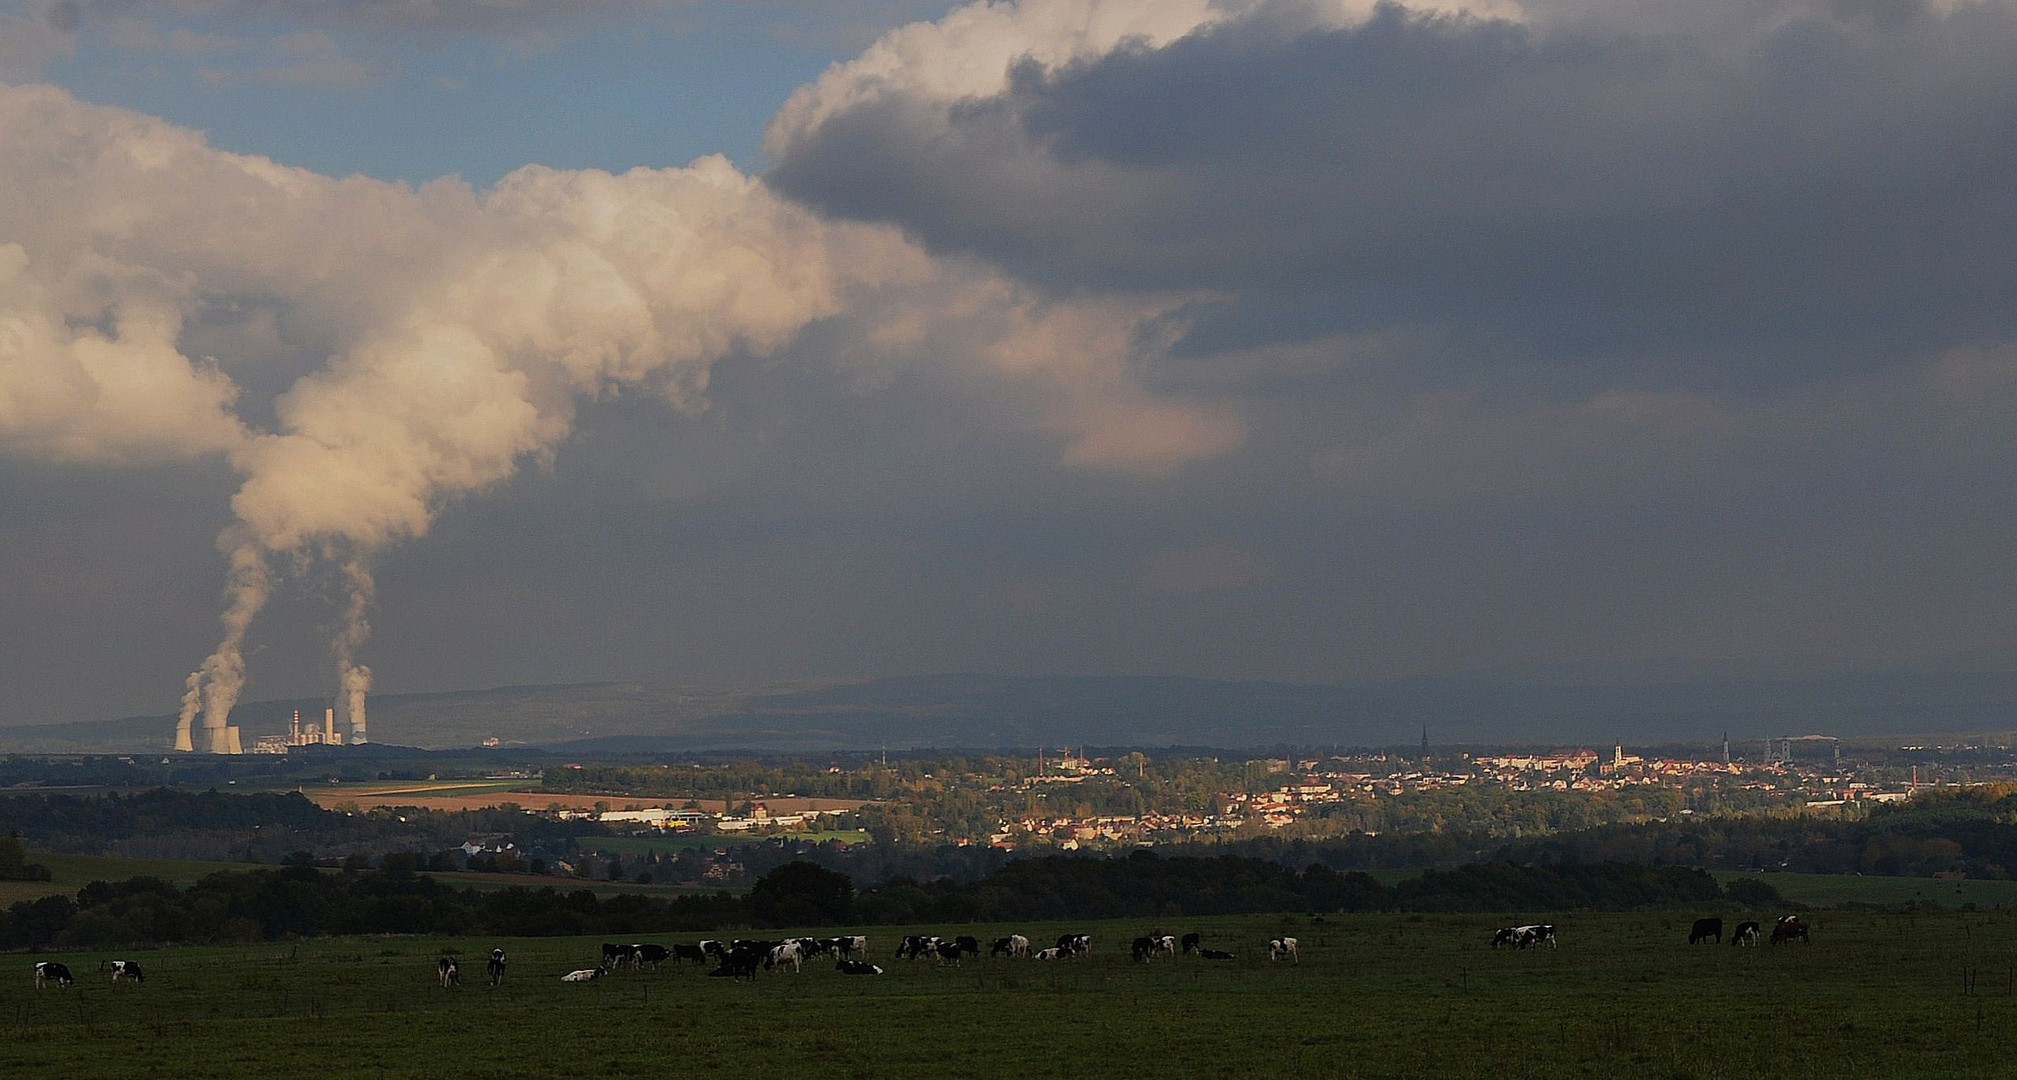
<point>353,678</point>
<point>214,688</point>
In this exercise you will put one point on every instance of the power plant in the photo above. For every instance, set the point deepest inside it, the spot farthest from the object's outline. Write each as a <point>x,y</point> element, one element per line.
<point>226,740</point>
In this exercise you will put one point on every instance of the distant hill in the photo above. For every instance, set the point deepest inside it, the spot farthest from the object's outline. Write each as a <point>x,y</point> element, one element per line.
<point>994,711</point>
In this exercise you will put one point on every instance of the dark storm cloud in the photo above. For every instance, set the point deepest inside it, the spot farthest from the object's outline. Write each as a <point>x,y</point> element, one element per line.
<point>1829,182</point>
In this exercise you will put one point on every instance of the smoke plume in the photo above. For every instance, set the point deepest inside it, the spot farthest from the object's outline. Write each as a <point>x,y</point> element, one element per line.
<point>353,678</point>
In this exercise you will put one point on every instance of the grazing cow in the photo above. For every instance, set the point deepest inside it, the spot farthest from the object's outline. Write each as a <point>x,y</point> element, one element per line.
<point>1525,937</point>
<point>495,968</point>
<point>714,949</point>
<point>1012,945</point>
<point>682,953</point>
<point>787,953</point>
<point>450,972</point>
<point>648,953</point>
<point>968,944</point>
<point>1141,948</point>
<point>614,955</point>
<point>915,945</point>
<point>848,946</point>
<point>1214,954</point>
<point>1745,934</point>
<point>584,975</point>
<point>857,967</point>
<point>48,971</point>
<point>1193,941</point>
<point>738,964</point>
<point>127,969</point>
<point>1047,954</point>
<point>1710,929</point>
<point>1167,945</point>
<point>949,951</point>
<point>1283,947</point>
<point>1787,928</point>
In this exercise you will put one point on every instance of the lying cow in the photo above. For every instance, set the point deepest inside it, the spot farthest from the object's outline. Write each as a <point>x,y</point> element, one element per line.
<point>1074,944</point>
<point>1214,954</point>
<point>857,967</point>
<point>738,964</point>
<point>1710,929</point>
<point>584,975</point>
<point>1745,934</point>
<point>127,969</point>
<point>48,971</point>
<point>449,971</point>
<point>1048,954</point>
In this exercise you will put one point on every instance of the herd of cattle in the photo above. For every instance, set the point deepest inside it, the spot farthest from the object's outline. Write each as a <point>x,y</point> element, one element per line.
<point>741,959</point>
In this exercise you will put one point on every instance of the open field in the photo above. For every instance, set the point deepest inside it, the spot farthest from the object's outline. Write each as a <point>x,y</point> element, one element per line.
<point>672,843</point>
<point>1874,995</point>
<point>1831,890</point>
<point>73,872</point>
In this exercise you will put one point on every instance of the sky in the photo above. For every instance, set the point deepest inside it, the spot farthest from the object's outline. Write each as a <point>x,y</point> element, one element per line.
<point>367,346</point>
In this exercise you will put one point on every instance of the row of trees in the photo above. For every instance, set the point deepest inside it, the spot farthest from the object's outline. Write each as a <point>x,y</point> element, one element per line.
<point>303,901</point>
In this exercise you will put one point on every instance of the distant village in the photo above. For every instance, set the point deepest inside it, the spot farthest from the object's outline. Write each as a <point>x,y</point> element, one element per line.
<point>1329,795</point>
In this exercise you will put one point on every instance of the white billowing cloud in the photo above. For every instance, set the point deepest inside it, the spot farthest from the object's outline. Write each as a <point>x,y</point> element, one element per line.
<point>121,393</point>
<point>971,51</point>
<point>432,340</point>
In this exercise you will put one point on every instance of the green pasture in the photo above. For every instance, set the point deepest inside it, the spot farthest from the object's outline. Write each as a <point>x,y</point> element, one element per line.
<point>1836,890</point>
<point>1875,994</point>
<point>73,872</point>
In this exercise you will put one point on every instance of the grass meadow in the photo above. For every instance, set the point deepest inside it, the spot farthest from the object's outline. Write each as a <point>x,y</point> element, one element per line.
<point>1874,995</point>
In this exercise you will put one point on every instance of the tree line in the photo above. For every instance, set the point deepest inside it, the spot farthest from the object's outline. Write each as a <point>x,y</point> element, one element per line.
<point>396,898</point>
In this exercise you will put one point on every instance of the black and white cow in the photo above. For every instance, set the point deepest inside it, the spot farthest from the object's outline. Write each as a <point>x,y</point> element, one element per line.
<point>1534,936</point>
<point>1193,941</point>
<point>613,956</point>
<point>848,946</point>
<point>968,944</point>
<point>1710,929</point>
<point>717,950</point>
<point>584,975</point>
<point>1525,937</point>
<point>495,968</point>
<point>915,945</point>
<point>648,953</point>
<point>1074,944</point>
<point>127,969</point>
<point>1283,948</point>
<point>1142,948</point>
<point>1745,934</point>
<point>1214,954</point>
<point>948,951</point>
<point>48,971</point>
<point>787,953</point>
<point>1013,945</point>
<point>450,972</point>
<point>1051,953</point>
<point>857,967</point>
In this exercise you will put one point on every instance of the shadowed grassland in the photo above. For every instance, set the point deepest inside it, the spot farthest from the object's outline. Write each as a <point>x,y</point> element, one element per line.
<point>1830,890</point>
<point>1874,995</point>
